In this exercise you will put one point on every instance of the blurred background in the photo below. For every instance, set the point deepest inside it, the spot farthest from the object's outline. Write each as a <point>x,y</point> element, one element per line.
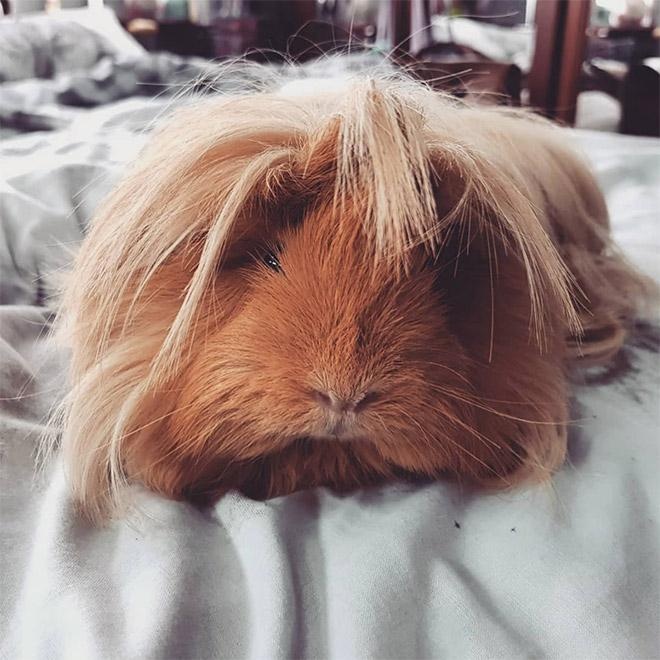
<point>590,63</point>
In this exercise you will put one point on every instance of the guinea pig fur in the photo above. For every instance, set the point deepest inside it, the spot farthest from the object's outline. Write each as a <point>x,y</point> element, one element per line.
<point>336,289</point>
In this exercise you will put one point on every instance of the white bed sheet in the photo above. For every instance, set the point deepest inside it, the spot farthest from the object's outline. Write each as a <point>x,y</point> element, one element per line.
<point>396,572</point>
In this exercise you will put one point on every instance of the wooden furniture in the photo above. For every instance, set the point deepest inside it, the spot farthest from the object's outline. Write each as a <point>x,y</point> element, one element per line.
<point>553,80</point>
<point>559,52</point>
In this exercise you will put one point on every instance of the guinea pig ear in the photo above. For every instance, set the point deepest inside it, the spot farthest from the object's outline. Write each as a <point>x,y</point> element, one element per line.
<point>517,387</point>
<point>482,209</point>
<point>509,303</point>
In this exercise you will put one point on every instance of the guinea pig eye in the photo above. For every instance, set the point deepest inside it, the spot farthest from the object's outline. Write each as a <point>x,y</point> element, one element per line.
<point>272,262</point>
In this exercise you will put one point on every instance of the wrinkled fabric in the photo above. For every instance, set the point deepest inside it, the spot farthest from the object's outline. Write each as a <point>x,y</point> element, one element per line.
<point>403,571</point>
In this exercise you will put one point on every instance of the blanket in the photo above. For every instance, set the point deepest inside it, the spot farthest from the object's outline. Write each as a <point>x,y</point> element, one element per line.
<point>402,571</point>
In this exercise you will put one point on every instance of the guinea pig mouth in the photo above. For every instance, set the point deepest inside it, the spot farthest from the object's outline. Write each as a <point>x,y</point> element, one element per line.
<point>338,432</point>
<point>311,443</point>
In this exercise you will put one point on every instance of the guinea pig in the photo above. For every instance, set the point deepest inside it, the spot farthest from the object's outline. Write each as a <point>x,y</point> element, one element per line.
<point>336,289</point>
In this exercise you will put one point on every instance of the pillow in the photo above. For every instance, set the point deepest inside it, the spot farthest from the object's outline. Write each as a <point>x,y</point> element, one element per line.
<point>45,45</point>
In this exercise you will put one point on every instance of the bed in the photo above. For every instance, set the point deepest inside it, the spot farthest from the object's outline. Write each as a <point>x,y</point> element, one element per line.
<point>404,571</point>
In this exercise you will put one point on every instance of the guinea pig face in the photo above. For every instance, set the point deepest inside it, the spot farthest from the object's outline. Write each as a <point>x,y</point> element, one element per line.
<point>324,345</point>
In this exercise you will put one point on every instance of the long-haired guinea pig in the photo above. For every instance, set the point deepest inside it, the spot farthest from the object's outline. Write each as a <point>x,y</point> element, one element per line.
<point>336,289</point>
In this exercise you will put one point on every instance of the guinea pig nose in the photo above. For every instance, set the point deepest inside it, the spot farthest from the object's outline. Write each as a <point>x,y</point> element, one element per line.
<point>341,404</point>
